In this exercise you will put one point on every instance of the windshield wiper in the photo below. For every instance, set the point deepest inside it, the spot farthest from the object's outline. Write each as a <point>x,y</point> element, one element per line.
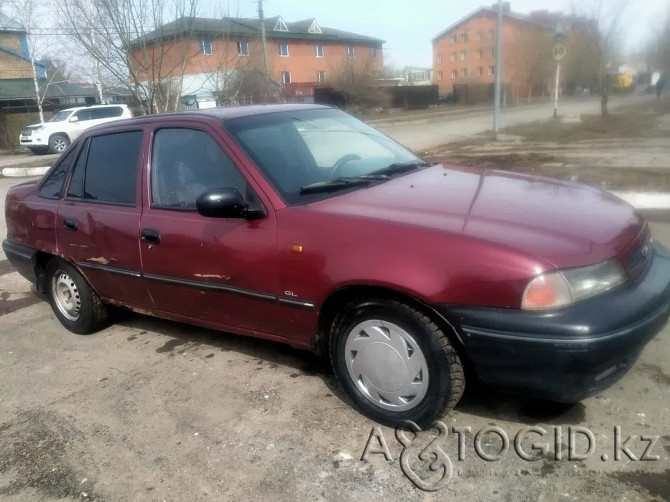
<point>399,168</point>
<point>341,183</point>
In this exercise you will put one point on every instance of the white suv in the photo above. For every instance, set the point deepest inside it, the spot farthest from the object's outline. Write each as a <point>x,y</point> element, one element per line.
<point>66,125</point>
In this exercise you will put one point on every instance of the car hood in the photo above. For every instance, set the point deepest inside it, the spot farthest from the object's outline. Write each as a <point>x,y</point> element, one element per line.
<point>565,224</point>
<point>46,124</point>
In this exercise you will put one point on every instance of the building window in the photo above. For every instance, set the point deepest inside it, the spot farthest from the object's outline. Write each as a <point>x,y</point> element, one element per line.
<point>439,58</point>
<point>319,50</point>
<point>283,50</point>
<point>464,37</point>
<point>464,56</point>
<point>492,33</point>
<point>492,70</point>
<point>480,54</point>
<point>479,35</point>
<point>315,28</point>
<point>464,73</point>
<point>351,51</point>
<point>286,77</point>
<point>320,76</point>
<point>454,74</point>
<point>206,47</point>
<point>373,52</point>
<point>281,25</point>
<point>454,39</point>
<point>454,56</point>
<point>480,71</point>
<point>243,48</point>
<point>492,52</point>
<point>439,75</point>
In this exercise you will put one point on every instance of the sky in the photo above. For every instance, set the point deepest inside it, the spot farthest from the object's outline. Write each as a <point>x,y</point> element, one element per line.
<point>408,26</point>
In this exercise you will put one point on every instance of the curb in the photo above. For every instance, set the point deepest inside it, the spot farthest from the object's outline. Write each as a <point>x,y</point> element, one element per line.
<point>23,172</point>
<point>646,200</point>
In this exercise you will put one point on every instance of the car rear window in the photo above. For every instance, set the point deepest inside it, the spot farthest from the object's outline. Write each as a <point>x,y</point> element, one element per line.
<point>106,170</point>
<point>104,113</point>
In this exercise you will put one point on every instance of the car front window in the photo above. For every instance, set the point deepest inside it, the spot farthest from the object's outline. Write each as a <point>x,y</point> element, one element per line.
<point>306,147</point>
<point>60,116</point>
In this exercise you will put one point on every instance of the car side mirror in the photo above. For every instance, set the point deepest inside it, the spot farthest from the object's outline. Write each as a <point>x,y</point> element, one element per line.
<point>226,203</point>
<point>74,119</point>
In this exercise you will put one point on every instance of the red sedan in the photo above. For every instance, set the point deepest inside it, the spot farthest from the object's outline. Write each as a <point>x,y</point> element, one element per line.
<point>303,225</point>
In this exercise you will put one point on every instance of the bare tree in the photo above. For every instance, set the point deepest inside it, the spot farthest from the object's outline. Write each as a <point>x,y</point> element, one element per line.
<point>528,63</point>
<point>355,80</point>
<point>130,42</point>
<point>30,14</point>
<point>581,66</point>
<point>607,17</point>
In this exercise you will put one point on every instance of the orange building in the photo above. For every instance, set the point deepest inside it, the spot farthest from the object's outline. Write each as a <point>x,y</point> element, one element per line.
<point>465,53</point>
<point>206,53</point>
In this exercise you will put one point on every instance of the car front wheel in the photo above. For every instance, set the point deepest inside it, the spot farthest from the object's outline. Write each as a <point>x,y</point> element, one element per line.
<point>395,363</point>
<point>74,302</point>
<point>58,143</point>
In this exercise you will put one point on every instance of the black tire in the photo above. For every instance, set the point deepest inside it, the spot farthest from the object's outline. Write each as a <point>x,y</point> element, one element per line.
<point>446,378</point>
<point>87,313</point>
<point>58,143</point>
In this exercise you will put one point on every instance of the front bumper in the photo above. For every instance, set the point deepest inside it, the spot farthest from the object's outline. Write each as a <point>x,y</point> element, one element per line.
<point>33,141</point>
<point>571,353</point>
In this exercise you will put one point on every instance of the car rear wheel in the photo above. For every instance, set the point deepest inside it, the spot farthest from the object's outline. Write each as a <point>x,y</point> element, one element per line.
<point>74,302</point>
<point>58,143</point>
<point>395,363</point>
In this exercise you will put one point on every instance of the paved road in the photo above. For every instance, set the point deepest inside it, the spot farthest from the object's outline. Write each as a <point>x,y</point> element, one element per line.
<point>424,133</point>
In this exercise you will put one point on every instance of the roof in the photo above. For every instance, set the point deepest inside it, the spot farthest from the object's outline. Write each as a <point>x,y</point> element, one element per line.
<point>9,24</point>
<point>245,27</point>
<point>489,10</point>
<point>23,88</point>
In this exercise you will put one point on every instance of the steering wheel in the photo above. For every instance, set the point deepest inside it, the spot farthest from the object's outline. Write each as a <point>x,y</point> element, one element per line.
<point>341,162</point>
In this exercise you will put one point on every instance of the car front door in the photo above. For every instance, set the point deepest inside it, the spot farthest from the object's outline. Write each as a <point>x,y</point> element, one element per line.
<point>97,224</point>
<point>219,271</point>
<point>78,123</point>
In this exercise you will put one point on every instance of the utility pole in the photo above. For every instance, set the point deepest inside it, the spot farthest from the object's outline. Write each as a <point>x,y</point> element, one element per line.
<point>261,18</point>
<point>498,71</point>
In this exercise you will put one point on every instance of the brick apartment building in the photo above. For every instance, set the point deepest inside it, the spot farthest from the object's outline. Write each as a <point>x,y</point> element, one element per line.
<point>301,54</point>
<point>464,54</point>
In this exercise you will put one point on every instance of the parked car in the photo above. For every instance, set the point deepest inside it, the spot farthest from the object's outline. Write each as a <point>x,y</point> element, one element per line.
<point>300,224</point>
<point>446,98</point>
<point>67,125</point>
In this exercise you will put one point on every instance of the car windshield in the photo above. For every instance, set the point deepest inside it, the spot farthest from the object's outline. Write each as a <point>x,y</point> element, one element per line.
<point>60,116</point>
<point>313,154</point>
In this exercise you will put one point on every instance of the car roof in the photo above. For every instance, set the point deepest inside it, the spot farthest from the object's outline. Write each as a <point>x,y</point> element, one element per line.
<point>209,114</point>
<point>233,112</point>
<point>215,114</point>
<point>88,107</point>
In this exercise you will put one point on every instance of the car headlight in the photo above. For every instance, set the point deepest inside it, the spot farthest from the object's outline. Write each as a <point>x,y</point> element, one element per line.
<point>565,287</point>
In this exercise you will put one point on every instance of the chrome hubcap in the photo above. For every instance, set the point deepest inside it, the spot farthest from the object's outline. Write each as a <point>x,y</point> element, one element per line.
<point>386,365</point>
<point>59,145</point>
<point>66,295</point>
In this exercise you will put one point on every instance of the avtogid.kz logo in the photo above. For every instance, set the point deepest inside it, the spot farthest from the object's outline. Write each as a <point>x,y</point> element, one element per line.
<point>426,463</point>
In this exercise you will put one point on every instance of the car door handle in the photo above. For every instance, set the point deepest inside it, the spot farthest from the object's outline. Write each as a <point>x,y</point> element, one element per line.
<point>151,236</point>
<point>70,224</point>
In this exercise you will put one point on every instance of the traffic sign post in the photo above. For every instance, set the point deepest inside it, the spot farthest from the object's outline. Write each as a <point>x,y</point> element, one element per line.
<point>559,53</point>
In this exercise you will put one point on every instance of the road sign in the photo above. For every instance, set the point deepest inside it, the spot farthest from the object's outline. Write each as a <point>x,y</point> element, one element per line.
<point>559,52</point>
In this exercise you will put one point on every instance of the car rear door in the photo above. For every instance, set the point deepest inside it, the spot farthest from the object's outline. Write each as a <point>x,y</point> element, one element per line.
<point>215,270</point>
<point>97,224</point>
